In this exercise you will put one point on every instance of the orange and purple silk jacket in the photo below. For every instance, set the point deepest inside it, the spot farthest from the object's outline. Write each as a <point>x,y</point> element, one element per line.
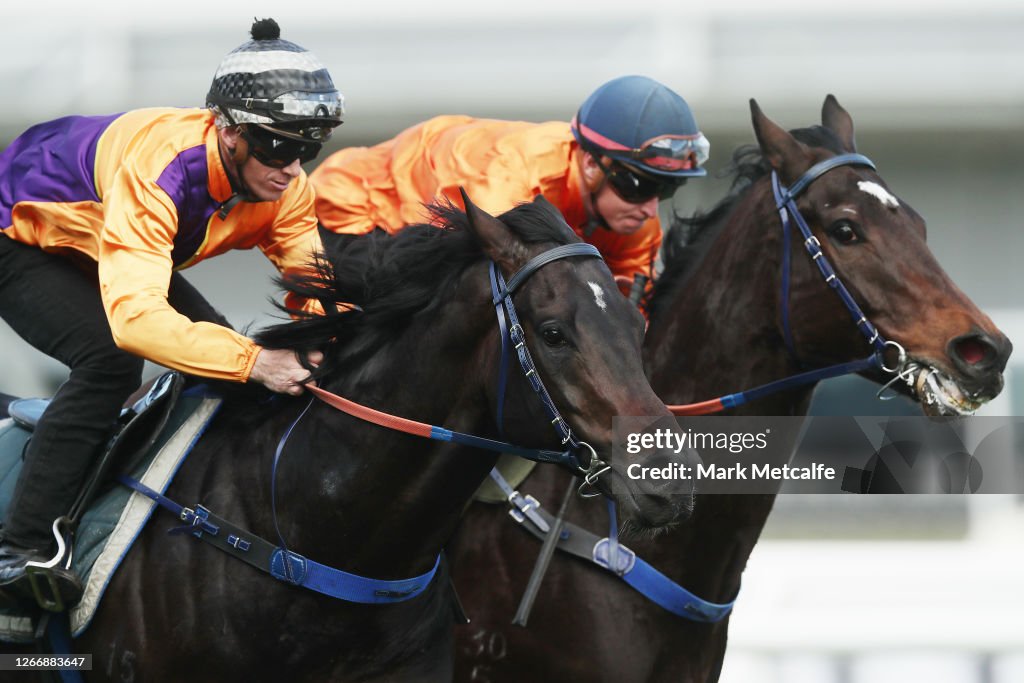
<point>500,163</point>
<point>139,194</point>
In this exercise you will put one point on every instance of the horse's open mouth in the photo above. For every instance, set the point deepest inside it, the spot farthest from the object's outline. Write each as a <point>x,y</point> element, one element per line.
<point>939,393</point>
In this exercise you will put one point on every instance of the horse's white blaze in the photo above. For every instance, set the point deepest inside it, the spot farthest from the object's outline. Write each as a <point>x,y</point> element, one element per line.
<point>849,210</point>
<point>879,193</point>
<point>598,295</point>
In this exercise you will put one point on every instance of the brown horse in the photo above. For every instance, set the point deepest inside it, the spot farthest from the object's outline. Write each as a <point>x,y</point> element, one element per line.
<point>716,328</point>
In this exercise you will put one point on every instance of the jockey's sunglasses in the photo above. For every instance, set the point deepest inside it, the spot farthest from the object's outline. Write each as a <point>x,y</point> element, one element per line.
<point>635,188</point>
<point>276,151</point>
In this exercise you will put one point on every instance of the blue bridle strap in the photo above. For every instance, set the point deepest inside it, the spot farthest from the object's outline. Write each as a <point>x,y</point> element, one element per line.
<point>281,563</point>
<point>535,264</point>
<point>499,309</point>
<point>785,203</point>
<point>512,333</point>
<point>823,167</point>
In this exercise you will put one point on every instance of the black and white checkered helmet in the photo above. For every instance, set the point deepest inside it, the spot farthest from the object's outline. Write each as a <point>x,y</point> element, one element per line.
<point>278,84</point>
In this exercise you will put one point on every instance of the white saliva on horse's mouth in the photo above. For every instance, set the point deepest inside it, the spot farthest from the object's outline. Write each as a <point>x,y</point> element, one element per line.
<point>941,395</point>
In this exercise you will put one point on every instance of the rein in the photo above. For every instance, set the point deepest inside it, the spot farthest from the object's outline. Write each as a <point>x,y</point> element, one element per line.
<point>512,334</point>
<point>426,431</point>
<point>785,204</point>
<point>293,568</point>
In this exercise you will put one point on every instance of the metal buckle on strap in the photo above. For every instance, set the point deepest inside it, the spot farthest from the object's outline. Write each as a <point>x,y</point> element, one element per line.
<point>196,522</point>
<point>597,467</point>
<point>625,558</point>
<point>526,507</point>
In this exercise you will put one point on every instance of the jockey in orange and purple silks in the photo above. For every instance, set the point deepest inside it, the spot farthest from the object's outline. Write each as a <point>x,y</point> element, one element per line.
<point>634,141</point>
<point>65,188</point>
<point>98,214</point>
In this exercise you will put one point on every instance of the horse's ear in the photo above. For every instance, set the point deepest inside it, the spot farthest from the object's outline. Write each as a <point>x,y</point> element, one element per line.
<point>838,120</point>
<point>785,153</point>
<point>497,241</point>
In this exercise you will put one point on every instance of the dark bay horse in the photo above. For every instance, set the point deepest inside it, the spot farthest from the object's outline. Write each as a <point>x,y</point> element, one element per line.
<point>715,329</point>
<point>423,345</point>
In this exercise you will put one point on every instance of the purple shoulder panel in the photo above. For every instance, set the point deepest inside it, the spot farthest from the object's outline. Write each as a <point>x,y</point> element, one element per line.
<point>51,162</point>
<point>185,180</point>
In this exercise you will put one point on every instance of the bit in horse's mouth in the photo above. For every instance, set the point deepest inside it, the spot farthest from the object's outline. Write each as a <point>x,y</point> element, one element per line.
<point>940,394</point>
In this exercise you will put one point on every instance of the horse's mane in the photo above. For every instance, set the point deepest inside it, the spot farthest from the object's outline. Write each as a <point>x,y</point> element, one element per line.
<point>393,277</point>
<point>689,239</point>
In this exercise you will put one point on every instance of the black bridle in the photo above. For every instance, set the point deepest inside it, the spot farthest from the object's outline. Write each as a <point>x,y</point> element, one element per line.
<point>512,334</point>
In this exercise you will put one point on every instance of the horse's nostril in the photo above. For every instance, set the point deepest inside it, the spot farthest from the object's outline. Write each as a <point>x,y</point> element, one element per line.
<point>973,350</point>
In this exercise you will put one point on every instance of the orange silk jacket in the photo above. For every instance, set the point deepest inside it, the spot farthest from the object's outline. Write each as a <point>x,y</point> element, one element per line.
<point>139,193</point>
<point>500,163</point>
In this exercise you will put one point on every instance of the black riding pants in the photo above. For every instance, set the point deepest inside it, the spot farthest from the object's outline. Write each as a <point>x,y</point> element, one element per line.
<point>55,306</point>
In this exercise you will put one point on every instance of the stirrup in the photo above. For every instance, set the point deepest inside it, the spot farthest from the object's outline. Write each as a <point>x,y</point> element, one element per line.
<point>45,586</point>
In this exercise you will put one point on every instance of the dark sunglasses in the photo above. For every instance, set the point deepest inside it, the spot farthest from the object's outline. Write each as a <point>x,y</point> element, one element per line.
<point>635,188</point>
<point>276,151</point>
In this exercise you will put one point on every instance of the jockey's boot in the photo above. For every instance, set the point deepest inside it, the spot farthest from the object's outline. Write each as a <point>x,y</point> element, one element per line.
<point>52,588</point>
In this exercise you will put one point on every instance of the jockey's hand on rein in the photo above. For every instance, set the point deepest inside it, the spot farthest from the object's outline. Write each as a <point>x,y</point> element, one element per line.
<point>280,370</point>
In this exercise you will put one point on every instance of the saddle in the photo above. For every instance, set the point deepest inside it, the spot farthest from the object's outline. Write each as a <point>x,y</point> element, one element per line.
<point>140,424</point>
<point>158,431</point>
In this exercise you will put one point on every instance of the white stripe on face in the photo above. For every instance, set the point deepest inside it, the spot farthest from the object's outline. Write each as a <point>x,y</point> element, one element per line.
<point>598,295</point>
<point>879,193</point>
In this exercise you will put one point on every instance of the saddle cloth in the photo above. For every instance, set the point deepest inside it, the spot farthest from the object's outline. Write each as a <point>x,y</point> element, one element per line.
<point>115,519</point>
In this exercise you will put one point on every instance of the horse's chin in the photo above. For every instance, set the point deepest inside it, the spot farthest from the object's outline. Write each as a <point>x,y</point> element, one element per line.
<point>651,515</point>
<point>940,395</point>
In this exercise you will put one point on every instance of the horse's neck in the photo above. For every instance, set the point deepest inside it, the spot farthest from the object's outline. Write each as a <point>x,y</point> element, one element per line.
<point>720,333</point>
<point>722,336</point>
<point>380,502</point>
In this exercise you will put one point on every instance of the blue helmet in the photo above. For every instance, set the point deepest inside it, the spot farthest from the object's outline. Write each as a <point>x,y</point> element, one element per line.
<point>642,124</point>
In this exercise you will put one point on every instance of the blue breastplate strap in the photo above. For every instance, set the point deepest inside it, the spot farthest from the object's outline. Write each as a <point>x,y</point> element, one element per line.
<point>662,591</point>
<point>637,573</point>
<point>283,564</point>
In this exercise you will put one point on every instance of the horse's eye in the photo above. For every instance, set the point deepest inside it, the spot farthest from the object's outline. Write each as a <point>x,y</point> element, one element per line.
<point>843,233</point>
<point>553,336</point>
